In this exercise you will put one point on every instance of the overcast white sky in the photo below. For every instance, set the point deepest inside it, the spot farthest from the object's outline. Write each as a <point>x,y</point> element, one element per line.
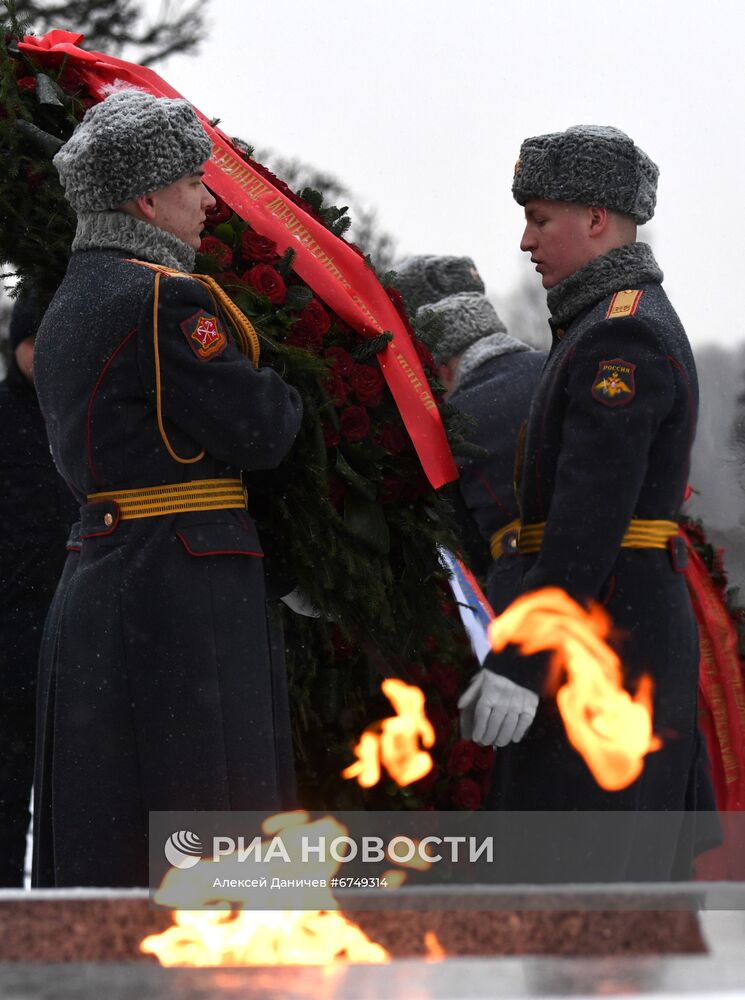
<point>420,107</point>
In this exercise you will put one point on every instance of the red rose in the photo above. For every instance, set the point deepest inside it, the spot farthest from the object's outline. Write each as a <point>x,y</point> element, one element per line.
<point>460,758</point>
<point>425,355</point>
<point>331,436</point>
<point>336,388</point>
<point>27,83</point>
<point>483,758</point>
<point>269,282</point>
<point>393,438</point>
<point>308,340</point>
<point>354,423</point>
<point>313,319</point>
<point>217,250</point>
<point>254,246</point>
<point>467,794</point>
<point>220,212</point>
<point>228,278</point>
<point>310,326</point>
<point>367,384</point>
<point>445,678</point>
<point>340,360</point>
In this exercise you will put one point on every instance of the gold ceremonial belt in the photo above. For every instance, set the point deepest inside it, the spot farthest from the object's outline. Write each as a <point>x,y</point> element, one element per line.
<point>640,534</point>
<point>178,498</point>
<point>504,540</point>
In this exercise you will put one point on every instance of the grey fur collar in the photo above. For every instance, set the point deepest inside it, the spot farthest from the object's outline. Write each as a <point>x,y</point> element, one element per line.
<point>624,267</point>
<point>484,349</point>
<point>119,231</point>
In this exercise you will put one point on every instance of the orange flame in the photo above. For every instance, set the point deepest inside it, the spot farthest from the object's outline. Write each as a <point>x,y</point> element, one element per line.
<point>610,729</point>
<point>214,936</point>
<point>435,951</point>
<point>262,937</point>
<point>394,742</point>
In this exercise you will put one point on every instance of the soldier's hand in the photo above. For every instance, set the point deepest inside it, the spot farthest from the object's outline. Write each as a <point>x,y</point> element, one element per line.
<point>495,711</point>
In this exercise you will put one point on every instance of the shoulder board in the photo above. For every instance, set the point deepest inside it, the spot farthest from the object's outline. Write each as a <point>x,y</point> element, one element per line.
<point>624,303</point>
<point>160,268</point>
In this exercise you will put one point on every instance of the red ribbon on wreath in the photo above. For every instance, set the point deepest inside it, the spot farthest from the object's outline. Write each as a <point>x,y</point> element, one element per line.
<point>721,686</point>
<point>721,700</point>
<point>328,265</point>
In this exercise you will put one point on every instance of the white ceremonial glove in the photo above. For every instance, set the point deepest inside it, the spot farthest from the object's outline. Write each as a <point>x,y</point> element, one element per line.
<point>297,601</point>
<point>495,711</point>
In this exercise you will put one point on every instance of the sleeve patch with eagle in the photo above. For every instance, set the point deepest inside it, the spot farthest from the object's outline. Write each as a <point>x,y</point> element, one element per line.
<point>614,383</point>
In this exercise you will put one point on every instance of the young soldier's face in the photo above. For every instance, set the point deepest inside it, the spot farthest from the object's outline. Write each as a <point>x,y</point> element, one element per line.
<point>180,208</point>
<point>557,238</point>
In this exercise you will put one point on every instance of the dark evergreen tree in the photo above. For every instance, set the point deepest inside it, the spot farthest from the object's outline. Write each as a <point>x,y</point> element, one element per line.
<point>116,26</point>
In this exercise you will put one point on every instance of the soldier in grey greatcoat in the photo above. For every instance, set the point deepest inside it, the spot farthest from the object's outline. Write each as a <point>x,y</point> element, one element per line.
<point>156,687</point>
<point>489,376</point>
<point>606,461</point>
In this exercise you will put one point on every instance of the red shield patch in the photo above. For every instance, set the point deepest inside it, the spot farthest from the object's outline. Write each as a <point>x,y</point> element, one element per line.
<point>205,335</point>
<point>614,384</point>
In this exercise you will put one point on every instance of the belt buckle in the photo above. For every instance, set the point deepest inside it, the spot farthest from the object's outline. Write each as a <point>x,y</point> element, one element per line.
<point>509,542</point>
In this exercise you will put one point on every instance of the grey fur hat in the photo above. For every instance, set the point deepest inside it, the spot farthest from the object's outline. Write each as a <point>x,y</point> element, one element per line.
<point>427,278</point>
<point>128,145</point>
<point>589,164</point>
<point>451,325</point>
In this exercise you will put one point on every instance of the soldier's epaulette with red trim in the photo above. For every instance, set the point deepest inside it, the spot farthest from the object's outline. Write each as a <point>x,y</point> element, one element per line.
<point>160,268</point>
<point>624,303</point>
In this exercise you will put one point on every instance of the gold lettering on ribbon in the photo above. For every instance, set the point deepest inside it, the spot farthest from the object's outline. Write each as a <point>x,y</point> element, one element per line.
<point>295,227</point>
<point>739,702</point>
<point>239,172</point>
<point>421,389</point>
<point>731,769</point>
<point>718,707</point>
<point>364,308</point>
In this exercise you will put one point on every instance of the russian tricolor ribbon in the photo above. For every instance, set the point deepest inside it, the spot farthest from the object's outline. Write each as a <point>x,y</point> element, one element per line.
<point>475,611</point>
